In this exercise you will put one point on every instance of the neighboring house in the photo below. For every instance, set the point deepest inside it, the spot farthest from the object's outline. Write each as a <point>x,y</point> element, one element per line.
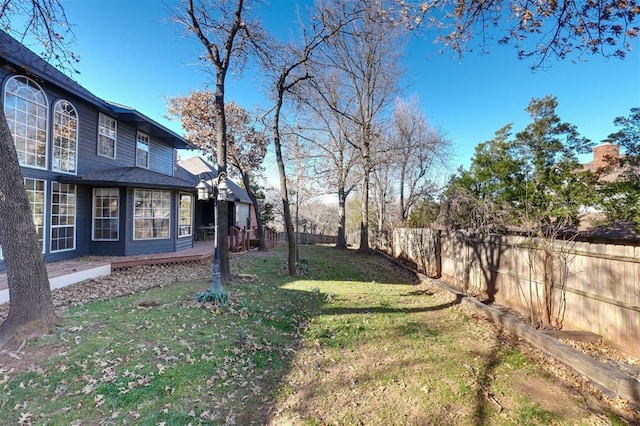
<point>102,178</point>
<point>610,166</point>
<point>240,210</point>
<point>607,161</point>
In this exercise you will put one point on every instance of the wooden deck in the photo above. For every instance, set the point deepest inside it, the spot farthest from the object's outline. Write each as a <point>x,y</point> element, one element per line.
<point>201,251</point>
<point>57,271</point>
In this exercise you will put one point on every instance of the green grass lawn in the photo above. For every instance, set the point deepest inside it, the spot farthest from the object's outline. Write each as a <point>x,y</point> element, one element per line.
<point>352,340</point>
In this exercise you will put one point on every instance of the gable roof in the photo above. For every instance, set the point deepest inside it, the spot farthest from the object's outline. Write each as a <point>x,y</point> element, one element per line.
<point>195,166</point>
<point>17,56</point>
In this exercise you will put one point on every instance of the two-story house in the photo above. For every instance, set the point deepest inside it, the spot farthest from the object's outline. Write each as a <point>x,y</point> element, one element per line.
<point>101,177</point>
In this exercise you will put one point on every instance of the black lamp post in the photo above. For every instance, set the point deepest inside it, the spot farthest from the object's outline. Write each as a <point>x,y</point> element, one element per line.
<point>216,189</point>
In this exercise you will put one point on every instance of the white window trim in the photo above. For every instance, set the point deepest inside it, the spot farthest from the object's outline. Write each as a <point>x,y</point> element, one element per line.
<point>115,140</point>
<point>45,211</point>
<point>135,190</point>
<point>75,222</point>
<point>147,144</point>
<point>44,216</point>
<point>180,194</point>
<point>47,124</point>
<point>93,218</point>
<point>75,172</point>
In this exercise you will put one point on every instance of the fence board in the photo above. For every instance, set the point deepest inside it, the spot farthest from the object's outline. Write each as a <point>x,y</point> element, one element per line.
<point>595,286</point>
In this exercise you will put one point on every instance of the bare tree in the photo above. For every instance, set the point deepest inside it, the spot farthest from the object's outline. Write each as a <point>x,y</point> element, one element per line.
<point>321,217</point>
<point>285,68</point>
<point>405,165</point>
<point>384,188</point>
<point>419,149</point>
<point>329,133</point>
<point>31,308</point>
<point>541,30</point>
<point>284,64</point>
<point>301,181</point>
<point>246,143</point>
<point>366,54</point>
<point>221,27</point>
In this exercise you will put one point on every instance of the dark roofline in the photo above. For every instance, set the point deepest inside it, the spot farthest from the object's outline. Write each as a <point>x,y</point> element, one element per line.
<point>239,193</point>
<point>24,59</point>
<point>130,177</point>
<point>110,184</point>
<point>127,114</point>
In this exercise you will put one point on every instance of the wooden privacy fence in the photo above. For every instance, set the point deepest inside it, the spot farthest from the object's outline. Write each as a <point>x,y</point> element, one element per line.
<point>563,284</point>
<point>311,238</point>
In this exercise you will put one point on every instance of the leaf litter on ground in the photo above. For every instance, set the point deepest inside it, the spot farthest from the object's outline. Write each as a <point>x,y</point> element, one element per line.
<point>352,339</point>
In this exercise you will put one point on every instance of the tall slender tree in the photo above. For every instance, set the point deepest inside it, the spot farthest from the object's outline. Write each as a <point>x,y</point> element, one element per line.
<point>419,149</point>
<point>285,65</point>
<point>221,27</point>
<point>366,53</point>
<point>331,134</point>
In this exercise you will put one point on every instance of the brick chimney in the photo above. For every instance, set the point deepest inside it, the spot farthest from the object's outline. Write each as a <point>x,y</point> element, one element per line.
<point>604,154</point>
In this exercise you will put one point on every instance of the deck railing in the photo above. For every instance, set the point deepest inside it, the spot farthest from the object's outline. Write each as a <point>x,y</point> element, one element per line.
<point>238,239</point>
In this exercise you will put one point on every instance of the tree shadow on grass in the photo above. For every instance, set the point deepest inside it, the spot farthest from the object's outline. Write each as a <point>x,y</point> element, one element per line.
<point>482,380</point>
<point>388,310</point>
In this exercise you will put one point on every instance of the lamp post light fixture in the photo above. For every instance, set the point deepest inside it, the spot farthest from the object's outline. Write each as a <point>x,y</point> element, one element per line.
<point>216,189</point>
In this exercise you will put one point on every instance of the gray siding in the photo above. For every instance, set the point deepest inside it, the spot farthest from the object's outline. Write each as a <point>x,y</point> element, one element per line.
<point>160,157</point>
<point>126,150</point>
<point>49,176</point>
<point>184,243</point>
<point>88,159</point>
<point>161,160</point>
<point>133,247</point>
<point>110,248</point>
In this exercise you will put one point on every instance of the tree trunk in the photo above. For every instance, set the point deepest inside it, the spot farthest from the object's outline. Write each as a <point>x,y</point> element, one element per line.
<point>341,242</point>
<point>223,240</point>
<point>31,308</point>
<point>364,223</point>
<point>221,160</point>
<point>291,237</point>
<point>284,193</point>
<point>403,208</point>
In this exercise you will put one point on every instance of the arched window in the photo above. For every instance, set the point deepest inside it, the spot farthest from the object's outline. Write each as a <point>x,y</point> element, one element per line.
<point>25,108</point>
<point>65,137</point>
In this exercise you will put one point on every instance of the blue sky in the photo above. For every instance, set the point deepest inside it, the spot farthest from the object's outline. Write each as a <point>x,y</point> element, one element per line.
<point>131,54</point>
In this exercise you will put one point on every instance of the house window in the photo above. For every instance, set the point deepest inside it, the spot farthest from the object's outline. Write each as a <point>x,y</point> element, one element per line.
<point>142,150</point>
<point>63,217</point>
<point>106,214</point>
<point>25,108</point>
<point>65,136</point>
<point>35,192</point>
<point>152,213</point>
<point>107,131</point>
<point>184,215</point>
